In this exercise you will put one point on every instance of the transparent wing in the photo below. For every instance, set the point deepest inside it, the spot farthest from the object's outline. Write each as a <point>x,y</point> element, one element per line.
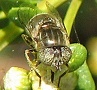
<point>55,13</point>
<point>25,13</point>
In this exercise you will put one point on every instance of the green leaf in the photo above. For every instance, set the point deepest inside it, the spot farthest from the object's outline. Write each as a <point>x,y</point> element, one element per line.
<point>85,81</point>
<point>7,5</point>
<point>79,55</point>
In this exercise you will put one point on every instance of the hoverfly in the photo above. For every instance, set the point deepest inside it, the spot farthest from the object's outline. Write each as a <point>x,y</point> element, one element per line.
<point>48,39</point>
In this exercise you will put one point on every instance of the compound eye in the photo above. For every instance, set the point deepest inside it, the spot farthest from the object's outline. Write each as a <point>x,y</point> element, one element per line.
<point>66,53</point>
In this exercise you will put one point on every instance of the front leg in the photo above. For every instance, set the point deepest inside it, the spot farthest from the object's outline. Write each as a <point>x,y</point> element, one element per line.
<point>58,74</point>
<point>65,72</point>
<point>29,41</point>
<point>32,63</point>
<point>31,57</point>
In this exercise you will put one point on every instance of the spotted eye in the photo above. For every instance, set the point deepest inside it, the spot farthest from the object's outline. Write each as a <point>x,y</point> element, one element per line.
<point>55,56</point>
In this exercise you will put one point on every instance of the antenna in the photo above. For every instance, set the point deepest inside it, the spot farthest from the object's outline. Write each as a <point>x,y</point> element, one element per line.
<point>75,31</point>
<point>76,34</point>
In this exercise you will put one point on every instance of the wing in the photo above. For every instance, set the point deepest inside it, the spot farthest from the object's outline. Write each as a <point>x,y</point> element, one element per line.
<point>25,12</point>
<point>55,13</point>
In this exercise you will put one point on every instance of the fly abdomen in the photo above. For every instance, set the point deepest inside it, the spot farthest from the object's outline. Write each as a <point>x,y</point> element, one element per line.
<point>52,36</point>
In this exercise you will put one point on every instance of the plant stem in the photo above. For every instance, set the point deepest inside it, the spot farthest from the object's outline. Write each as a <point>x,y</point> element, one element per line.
<point>42,5</point>
<point>71,14</point>
<point>8,34</point>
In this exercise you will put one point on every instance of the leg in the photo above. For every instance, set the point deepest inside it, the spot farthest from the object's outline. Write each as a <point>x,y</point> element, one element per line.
<point>28,40</point>
<point>52,76</point>
<point>31,57</point>
<point>61,77</point>
<point>32,63</point>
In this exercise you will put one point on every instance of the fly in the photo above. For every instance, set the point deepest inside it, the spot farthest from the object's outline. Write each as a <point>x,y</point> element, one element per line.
<point>48,39</point>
